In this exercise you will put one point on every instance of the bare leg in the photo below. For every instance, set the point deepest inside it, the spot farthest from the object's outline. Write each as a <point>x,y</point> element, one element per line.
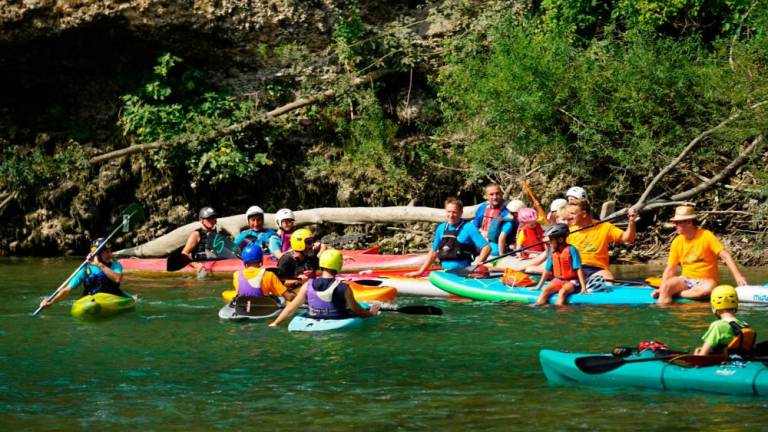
<point>606,274</point>
<point>535,269</point>
<point>669,289</point>
<point>564,292</point>
<point>700,291</point>
<point>544,296</point>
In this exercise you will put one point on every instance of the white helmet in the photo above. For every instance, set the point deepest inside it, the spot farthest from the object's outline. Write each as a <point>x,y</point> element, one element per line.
<point>515,205</point>
<point>283,214</point>
<point>253,210</point>
<point>577,192</point>
<point>557,204</point>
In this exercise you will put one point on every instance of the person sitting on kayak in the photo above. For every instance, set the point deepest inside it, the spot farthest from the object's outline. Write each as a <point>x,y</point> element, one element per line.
<point>196,248</point>
<point>563,265</point>
<point>530,232</point>
<point>254,281</point>
<point>280,241</point>
<point>592,243</point>
<point>554,210</point>
<point>456,242</point>
<point>696,250</point>
<point>727,335</point>
<point>492,208</point>
<point>102,274</point>
<point>506,237</point>
<point>301,261</point>
<point>326,296</point>
<point>256,233</point>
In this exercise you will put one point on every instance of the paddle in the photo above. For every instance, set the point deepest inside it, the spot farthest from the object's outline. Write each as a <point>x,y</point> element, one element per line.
<point>131,215</point>
<point>536,204</point>
<point>466,271</point>
<point>605,363</point>
<point>176,261</point>
<point>414,310</point>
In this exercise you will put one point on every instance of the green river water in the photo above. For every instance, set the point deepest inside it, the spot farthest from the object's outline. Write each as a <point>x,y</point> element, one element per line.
<point>173,365</point>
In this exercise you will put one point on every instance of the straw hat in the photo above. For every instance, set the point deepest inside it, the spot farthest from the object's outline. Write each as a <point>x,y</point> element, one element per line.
<point>684,213</point>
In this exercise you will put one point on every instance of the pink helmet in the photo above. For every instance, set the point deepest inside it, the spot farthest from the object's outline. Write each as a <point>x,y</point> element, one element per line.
<point>527,215</point>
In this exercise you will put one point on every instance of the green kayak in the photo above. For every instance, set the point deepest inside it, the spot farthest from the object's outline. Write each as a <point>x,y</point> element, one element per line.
<point>736,377</point>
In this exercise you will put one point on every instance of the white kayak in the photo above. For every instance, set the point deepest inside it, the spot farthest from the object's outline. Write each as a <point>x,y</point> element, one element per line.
<point>753,293</point>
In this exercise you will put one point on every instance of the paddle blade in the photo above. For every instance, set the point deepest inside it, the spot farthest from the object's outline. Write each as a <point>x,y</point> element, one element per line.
<point>416,310</point>
<point>176,261</point>
<point>598,364</point>
<point>130,217</point>
<point>691,360</point>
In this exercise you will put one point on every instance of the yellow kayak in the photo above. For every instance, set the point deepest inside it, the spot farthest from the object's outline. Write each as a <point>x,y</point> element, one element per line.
<point>362,293</point>
<point>101,305</point>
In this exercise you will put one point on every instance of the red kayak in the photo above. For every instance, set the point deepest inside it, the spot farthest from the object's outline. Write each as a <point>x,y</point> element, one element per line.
<point>354,261</point>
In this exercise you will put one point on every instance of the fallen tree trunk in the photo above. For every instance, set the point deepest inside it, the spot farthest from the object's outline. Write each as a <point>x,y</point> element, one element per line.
<point>176,239</point>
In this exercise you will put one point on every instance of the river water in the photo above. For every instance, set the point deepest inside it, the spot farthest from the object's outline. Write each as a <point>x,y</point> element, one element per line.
<point>173,365</point>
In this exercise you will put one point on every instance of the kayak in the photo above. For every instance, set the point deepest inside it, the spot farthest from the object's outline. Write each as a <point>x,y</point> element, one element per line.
<point>263,309</point>
<point>731,377</point>
<point>493,289</point>
<point>101,305</point>
<point>303,323</point>
<point>753,293</point>
<point>407,286</point>
<point>362,293</point>
<point>354,261</point>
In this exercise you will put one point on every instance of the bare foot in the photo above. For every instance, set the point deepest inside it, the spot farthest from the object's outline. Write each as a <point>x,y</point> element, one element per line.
<point>655,293</point>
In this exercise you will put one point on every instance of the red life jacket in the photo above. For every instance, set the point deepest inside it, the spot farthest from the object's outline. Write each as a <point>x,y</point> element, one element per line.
<point>562,264</point>
<point>488,216</point>
<point>533,235</point>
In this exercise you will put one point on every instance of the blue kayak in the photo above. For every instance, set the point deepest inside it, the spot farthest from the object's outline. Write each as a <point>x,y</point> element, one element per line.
<point>647,371</point>
<point>304,323</point>
<point>493,289</point>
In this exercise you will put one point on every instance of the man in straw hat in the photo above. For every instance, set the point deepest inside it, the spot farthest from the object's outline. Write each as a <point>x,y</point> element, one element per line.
<point>696,250</point>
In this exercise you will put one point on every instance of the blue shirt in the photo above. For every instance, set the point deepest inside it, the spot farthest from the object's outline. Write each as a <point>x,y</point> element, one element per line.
<point>80,276</point>
<point>575,259</point>
<point>508,227</point>
<point>262,238</point>
<point>478,220</point>
<point>467,234</point>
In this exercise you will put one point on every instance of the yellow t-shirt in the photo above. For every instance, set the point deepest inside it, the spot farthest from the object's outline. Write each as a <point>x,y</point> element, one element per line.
<point>592,243</point>
<point>270,284</point>
<point>697,256</point>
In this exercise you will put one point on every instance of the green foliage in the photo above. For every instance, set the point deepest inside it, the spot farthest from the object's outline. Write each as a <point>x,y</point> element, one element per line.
<point>28,169</point>
<point>177,104</point>
<point>347,35</point>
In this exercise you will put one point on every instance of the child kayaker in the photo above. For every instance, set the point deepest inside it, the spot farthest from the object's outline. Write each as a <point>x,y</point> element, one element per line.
<point>326,296</point>
<point>280,241</point>
<point>563,266</point>
<point>727,335</point>
<point>529,232</point>
<point>254,281</point>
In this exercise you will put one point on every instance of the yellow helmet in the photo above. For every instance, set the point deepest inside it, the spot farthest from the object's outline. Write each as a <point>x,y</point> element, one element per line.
<point>331,259</point>
<point>299,239</point>
<point>724,297</point>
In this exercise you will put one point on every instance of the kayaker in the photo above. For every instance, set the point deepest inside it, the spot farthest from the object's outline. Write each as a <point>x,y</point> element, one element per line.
<point>530,232</point>
<point>554,209</point>
<point>102,274</point>
<point>696,250</point>
<point>254,281</point>
<point>196,248</point>
<point>280,242</point>
<point>575,194</point>
<point>563,267</point>
<point>493,207</point>
<point>456,242</point>
<point>300,262</point>
<point>327,297</point>
<point>256,233</point>
<point>508,229</point>
<point>592,243</point>
<point>727,335</point>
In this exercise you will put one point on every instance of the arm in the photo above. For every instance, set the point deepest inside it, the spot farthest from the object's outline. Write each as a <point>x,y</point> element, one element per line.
<point>355,306</point>
<point>63,293</point>
<point>502,243</point>
<point>431,257</point>
<point>275,246</point>
<point>582,280</point>
<point>484,252</point>
<point>628,236</point>
<point>113,275</point>
<point>728,260</point>
<point>544,276</point>
<point>669,272</point>
<point>292,307</point>
<point>192,241</point>
<point>703,350</point>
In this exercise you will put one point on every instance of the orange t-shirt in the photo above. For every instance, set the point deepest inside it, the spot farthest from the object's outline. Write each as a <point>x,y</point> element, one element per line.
<point>270,284</point>
<point>697,256</point>
<point>592,243</point>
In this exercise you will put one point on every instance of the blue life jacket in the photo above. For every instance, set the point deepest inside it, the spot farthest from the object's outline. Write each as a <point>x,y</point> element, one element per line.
<point>98,282</point>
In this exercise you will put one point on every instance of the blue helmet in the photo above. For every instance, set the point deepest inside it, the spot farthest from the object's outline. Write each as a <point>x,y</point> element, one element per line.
<point>253,252</point>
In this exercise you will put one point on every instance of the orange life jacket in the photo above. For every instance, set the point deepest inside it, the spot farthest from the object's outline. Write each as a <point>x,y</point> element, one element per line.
<point>533,235</point>
<point>744,341</point>
<point>562,264</point>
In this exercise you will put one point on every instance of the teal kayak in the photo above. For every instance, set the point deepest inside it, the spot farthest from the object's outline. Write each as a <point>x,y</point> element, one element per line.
<point>736,377</point>
<point>304,323</point>
<point>493,289</point>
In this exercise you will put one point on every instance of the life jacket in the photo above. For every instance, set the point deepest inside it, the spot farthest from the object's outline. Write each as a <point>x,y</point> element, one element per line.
<point>489,215</point>
<point>285,240</point>
<point>450,249</point>
<point>249,287</point>
<point>744,340</point>
<point>201,252</point>
<point>260,238</point>
<point>99,283</point>
<point>533,235</point>
<point>562,264</point>
<point>494,229</point>
<point>329,303</point>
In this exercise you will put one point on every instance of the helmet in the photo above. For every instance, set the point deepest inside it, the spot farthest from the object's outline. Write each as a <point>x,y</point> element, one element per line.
<point>299,239</point>
<point>557,231</point>
<point>283,214</point>
<point>98,242</point>
<point>515,205</point>
<point>207,212</point>
<point>253,253</point>
<point>253,210</point>
<point>331,259</point>
<point>724,297</point>
<point>577,192</point>
<point>557,204</point>
<point>527,215</point>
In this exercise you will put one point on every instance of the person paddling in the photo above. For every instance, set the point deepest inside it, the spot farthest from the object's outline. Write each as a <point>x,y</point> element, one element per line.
<point>326,296</point>
<point>256,233</point>
<point>696,250</point>
<point>280,242</point>
<point>196,248</point>
<point>563,265</point>
<point>254,281</point>
<point>101,275</point>
<point>728,334</point>
<point>456,242</point>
